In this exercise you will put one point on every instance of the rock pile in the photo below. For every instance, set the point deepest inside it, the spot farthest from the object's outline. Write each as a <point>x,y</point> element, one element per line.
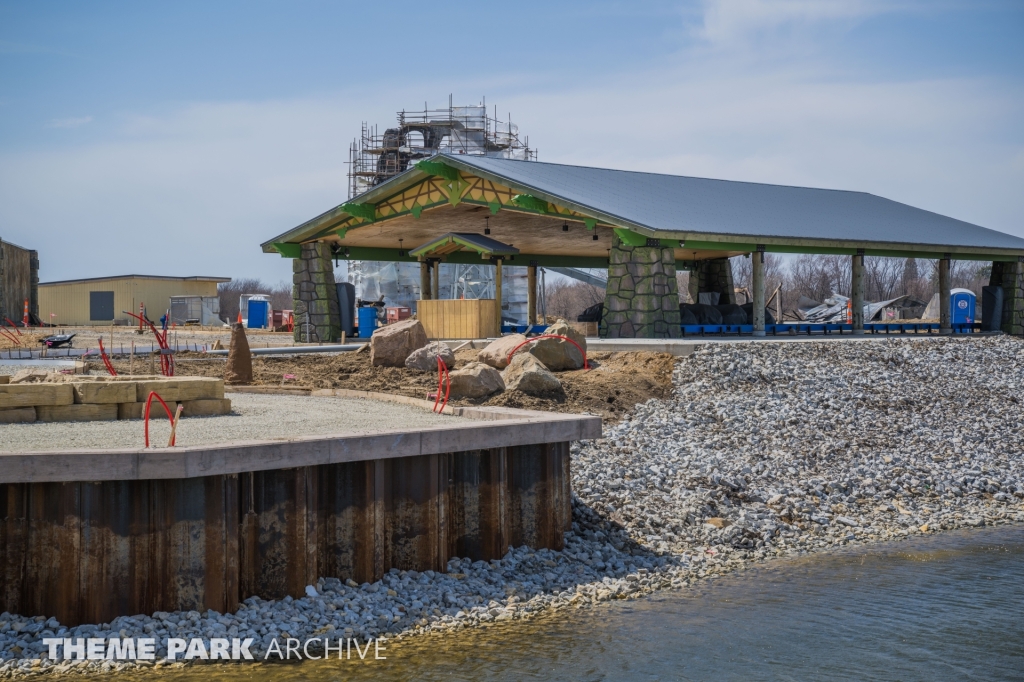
<point>425,359</point>
<point>392,344</point>
<point>765,450</point>
<point>528,375</point>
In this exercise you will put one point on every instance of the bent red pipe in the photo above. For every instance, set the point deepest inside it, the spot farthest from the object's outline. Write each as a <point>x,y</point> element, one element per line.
<point>149,401</point>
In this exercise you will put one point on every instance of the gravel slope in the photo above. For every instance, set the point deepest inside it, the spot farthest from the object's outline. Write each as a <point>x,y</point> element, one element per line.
<point>764,450</point>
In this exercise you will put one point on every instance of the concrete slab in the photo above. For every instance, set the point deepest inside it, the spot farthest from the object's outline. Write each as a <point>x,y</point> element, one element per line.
<point>461,429</point>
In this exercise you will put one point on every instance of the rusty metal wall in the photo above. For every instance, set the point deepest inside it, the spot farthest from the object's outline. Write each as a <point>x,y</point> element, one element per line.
<point>19,280</point>
<point>88,552</point>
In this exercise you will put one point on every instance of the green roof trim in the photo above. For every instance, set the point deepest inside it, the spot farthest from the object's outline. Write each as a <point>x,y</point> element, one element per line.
<point>630,238</point>
<point>288,250</point>
<point>484,246</point>
<point>439,169</point>
<point>530,203</point>
<point>364,211</point>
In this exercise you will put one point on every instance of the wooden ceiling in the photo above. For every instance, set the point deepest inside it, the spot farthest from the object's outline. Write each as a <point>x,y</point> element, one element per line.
<point>530,233</point>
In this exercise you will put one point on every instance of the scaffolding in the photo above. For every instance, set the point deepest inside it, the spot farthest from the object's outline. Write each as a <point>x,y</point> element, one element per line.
<point>375,157</point>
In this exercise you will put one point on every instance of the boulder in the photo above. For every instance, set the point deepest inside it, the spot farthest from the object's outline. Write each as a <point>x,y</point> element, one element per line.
<point>239,369</point>
<point>392,344</point>
<point>475,380</point>
<point>425,359</point>
<point>559,354</point>
<point>496,352</point>
<point>527,374</point>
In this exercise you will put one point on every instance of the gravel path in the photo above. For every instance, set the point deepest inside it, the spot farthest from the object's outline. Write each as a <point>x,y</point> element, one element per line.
<point>765,450</point>
<point>254,417</point>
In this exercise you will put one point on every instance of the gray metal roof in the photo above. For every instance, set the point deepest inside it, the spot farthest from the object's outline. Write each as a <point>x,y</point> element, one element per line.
<point>673,203</point>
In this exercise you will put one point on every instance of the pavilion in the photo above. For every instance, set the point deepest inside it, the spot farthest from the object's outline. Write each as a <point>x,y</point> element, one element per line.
<point>643,227</point>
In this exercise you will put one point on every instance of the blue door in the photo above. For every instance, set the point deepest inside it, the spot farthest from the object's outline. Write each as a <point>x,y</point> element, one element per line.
<point>258,314</point>
<point>962,303</point>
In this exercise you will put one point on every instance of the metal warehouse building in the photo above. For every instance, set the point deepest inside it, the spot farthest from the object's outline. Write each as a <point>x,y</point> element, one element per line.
<point>103,300</point>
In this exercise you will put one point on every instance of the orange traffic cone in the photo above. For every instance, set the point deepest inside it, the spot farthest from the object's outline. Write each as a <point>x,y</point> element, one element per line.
<point>239,317</point>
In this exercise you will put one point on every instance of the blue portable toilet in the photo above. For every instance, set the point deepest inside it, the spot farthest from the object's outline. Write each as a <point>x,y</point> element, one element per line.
<point>367,321</point>
<point>259,313</point>
<point>962,303</point>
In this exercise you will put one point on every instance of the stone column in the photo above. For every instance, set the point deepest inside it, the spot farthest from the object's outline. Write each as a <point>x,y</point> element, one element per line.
<point>757,263</point>
<point>315,294</point>
<point>641,301</point>
<point>693,283</point>
<point>857,293</point>
<point>1010,276</point>
<point>945,321</point>
<point>714,275</point>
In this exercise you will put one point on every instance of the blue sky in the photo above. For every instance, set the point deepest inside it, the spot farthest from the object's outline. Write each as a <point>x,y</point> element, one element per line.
<point>174,138</point>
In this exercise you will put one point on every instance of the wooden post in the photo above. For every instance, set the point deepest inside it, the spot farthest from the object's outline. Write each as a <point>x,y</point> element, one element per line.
<point>757,261</point>
<point>497,292</point>
<point>945,320</point>
<point>436,289</point>
<point>424,281</point>
<point>857,292</point>
<point>531,294</point>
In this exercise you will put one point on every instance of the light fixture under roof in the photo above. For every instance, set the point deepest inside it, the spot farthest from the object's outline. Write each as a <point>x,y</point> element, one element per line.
<point>487,224</point>
<point>565,227</point>
<point>401,251</point>
<point>595,235</point>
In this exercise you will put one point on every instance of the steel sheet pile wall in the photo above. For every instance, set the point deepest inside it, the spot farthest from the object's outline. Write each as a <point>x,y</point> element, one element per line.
<point>19,281</point>
<point>88,552</point>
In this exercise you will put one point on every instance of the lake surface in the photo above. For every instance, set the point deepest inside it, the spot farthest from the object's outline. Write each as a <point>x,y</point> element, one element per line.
<point>942,607</point>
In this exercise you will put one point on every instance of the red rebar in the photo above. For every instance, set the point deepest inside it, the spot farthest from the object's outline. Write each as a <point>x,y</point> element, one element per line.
<point>166,360</point>
<point>586,365</point>
<point>13,325</point>
<point>8,335</point>
<point>106,360</point>
<point>149,401</point>
<point>442,380</point>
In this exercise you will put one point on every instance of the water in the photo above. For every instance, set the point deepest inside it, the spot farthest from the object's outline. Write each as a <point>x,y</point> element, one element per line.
<point>945,607</point>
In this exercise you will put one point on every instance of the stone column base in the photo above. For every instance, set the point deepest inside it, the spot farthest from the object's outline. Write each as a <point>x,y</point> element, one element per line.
<point>642,300</point>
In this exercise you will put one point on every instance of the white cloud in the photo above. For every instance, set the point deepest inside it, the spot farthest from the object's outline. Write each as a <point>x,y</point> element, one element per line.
<point>726,21</point>
<point>69,122</point>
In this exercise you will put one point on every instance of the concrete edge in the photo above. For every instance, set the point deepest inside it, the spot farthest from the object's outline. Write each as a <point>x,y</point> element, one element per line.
<point>491,427</point>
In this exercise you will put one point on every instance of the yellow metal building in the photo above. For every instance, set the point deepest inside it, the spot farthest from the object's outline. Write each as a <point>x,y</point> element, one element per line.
<point>103,300</point>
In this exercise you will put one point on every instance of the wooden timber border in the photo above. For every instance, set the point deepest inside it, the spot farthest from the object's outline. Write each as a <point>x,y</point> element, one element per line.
<point>90,535</point>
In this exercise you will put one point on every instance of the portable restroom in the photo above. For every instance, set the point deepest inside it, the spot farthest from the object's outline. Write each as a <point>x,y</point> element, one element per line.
<point>258,313</point>
<point>962,303</point>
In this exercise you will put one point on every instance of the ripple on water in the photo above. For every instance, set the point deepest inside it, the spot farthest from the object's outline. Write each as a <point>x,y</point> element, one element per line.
<point>945,607</point>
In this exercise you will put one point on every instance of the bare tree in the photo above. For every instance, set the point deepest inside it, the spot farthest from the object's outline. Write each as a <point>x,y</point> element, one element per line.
<point>280,295</point>
<point>883,277</point>
<point>568,298</point>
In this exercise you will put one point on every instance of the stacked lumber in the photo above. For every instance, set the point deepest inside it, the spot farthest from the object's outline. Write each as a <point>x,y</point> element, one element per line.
<point>97,398</point>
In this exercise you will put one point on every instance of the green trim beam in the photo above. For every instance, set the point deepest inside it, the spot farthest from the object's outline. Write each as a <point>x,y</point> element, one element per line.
<point>288,250</point>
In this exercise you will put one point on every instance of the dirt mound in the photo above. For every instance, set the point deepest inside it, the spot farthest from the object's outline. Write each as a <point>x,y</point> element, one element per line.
<point>617,382</point>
